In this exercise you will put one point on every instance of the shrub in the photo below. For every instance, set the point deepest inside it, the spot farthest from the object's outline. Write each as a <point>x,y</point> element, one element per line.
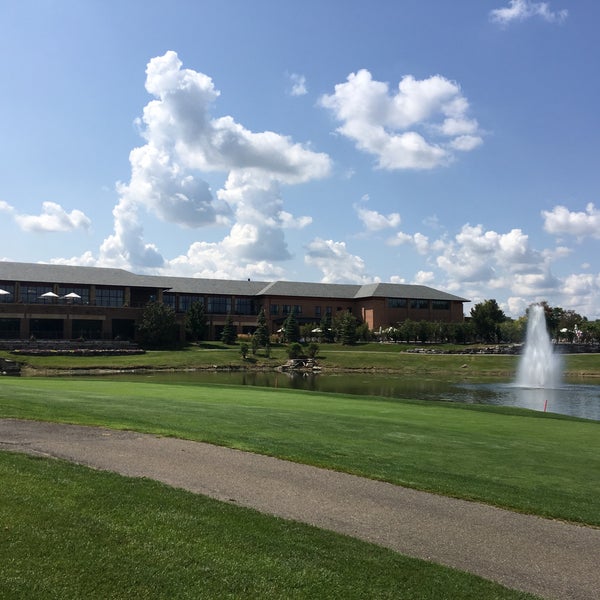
<point>295,350</point>
<point>312,350</point>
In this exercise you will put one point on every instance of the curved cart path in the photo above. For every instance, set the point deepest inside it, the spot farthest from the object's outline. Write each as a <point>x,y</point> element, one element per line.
<point>549,558</point>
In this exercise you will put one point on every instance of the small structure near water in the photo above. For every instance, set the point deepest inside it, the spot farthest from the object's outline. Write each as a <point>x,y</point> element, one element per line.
<point>9,367</point>
<point>300,364</point>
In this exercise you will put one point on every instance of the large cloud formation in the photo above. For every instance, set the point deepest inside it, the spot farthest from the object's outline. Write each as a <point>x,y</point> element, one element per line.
<point>183,140</point>
<point>420,126</point>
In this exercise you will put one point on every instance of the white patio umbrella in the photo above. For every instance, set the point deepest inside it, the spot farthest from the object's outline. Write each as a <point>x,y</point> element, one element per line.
<point>72,296</point>
<point>49,295</point>
<point>3,292</point>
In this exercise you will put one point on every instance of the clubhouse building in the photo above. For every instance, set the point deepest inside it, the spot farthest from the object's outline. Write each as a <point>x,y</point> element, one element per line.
<point>65,302</point>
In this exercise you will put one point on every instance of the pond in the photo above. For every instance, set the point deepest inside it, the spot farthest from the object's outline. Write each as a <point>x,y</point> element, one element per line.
<point>580,398</point>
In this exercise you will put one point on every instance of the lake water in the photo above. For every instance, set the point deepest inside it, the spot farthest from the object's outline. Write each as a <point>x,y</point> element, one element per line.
<point>579,399</point>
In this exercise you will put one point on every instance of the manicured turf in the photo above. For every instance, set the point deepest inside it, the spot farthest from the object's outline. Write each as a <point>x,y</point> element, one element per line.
<point>386,357</point>
<point>532,462</point>
<point>67,532</point>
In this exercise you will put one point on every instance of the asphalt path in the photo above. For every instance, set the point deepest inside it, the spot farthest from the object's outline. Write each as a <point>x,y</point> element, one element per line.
<point>549,558</point>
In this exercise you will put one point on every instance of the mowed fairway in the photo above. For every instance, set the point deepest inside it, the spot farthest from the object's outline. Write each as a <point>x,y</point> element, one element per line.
<point>531,462</point>
<point>68,532</point>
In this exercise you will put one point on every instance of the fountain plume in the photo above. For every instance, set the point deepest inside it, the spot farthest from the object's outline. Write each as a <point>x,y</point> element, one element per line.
<point>539,366</point>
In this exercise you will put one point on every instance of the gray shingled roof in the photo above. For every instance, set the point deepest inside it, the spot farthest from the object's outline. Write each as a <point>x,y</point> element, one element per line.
<point>41,273</point>
<point>309,290</point>
<point>72,275</point>
<point>403,290</point>
<point>189,285</point>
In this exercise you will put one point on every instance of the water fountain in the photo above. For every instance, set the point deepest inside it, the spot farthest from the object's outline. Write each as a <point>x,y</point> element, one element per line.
<point>539,366</point>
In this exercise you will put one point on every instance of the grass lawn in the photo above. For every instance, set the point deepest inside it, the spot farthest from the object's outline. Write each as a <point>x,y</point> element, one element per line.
<point>387,357</point>
<point>67,532</point>
<point>532,462</point>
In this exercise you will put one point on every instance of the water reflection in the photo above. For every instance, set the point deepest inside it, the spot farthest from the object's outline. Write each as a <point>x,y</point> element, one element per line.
<point>575,399</point>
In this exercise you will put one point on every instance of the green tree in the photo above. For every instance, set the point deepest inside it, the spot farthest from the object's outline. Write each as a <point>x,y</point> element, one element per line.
<point>553,315</point>
<point>463,333</point>
<point>487,317</point>
<point>262,330</point>
<point>195,322</point>
<point>425,331</point>
<point>229,334</point>
<point>512,331</point>
<point>291,329</point>
<point>158,326</point>
<point>408,330</point>
<point>346,328</point>
<point>591,331</point>
<point>244,350</point>
<point>326,327</point>
<point>363,333</point>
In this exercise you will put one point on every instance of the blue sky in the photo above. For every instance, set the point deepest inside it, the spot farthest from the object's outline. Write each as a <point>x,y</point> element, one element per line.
<point>450,144</point>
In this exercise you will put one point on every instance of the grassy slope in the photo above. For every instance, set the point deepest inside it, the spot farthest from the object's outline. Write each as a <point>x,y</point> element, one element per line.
<point>67,532</point>
<point>533,462</point>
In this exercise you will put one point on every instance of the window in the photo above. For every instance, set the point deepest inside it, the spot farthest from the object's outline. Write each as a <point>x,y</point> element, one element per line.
<point>287,309</point>
<point>245,306</point>
<point>82,292</point>
<point>328,310</point>
<point>419,303</point>
<point>10,288</point>
<point>440,304</point>
<point>317,311</point>
<point>169,299</point>
<point>274,309</point>
<point>219,305</point>
<point>397,302</point>
<point>297,309</point>
<point>31,294</point>
<point>113,297</point>
<point>186,301</point>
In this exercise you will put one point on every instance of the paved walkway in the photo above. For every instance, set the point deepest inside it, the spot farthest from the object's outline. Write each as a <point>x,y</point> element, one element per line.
<point>548,558</point>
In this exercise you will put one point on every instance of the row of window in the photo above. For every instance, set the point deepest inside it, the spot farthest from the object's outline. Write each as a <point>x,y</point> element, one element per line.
<point>219,305</point>
<point>43,294</point>
<point>418,303</point>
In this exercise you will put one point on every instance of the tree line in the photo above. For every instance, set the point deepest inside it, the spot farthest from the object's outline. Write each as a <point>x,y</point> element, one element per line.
<point>487,323</point>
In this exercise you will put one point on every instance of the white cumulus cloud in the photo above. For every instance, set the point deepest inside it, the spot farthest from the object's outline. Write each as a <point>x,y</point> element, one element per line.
<point>335,262</point>
<point>560,221</point>
<point>52,219</point>
<point>375,221</point>
<point>417,127</point>
<point>211,260</point>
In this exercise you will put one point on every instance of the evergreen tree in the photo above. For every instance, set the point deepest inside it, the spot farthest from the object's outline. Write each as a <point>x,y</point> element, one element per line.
<point>158,326</point>
<point>261,335</point>
<point>229,334</point>
<point>291,329</point>
<point>195,321</point>
<point>347,329</point>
